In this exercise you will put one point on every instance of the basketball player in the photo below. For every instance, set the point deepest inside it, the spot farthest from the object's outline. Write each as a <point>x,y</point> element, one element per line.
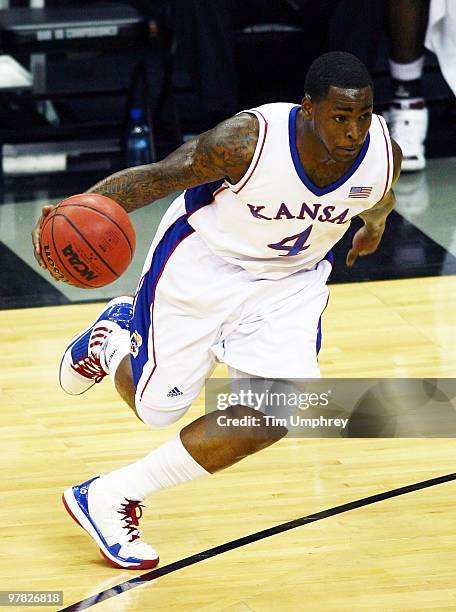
<point>236,273</point>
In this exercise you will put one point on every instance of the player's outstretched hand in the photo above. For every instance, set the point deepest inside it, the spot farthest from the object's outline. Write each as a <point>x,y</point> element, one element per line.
<point>36,235</point>
<point>365,242</point>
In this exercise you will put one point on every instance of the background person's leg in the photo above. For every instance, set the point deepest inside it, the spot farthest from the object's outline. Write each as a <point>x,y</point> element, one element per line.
<point>407,21</point>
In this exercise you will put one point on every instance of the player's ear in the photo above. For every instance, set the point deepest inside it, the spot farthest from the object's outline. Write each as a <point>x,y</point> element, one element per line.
<point>307,106</point>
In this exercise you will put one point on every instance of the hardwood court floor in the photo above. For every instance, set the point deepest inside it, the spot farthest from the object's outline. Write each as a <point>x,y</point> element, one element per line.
<point>398,554</point>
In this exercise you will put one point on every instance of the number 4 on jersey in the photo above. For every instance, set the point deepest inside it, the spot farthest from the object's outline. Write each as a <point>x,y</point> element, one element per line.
<point>294,247</point>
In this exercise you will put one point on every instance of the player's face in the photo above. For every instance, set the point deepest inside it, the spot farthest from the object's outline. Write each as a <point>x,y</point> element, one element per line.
<point>341,121</point>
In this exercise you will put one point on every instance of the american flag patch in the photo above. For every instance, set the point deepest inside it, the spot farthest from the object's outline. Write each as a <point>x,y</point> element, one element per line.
<point>360,192</point>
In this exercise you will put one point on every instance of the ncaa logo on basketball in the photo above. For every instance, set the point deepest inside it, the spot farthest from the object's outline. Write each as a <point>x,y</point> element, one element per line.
<point>135,343</point>
<point>77,264</point>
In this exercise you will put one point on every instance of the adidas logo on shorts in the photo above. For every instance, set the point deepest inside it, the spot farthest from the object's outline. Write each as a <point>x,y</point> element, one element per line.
<point>174,392</point>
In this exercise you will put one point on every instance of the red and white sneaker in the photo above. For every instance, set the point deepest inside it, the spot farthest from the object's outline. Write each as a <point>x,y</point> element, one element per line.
<point>113,522</point>
<point>82,363</point>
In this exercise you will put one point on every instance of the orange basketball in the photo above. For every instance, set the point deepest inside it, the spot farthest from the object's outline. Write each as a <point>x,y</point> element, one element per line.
<point>88,241</point>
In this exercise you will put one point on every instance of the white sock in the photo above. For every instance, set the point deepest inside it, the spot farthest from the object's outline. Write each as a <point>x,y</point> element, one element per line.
<point>117,346</point>
<point>407,72</point>
<point>168,465</point>
<point>408,103</point>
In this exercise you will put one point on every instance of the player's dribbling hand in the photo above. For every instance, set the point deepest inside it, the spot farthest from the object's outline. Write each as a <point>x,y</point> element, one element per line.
<point>36,233</point>
<point>365,242</point>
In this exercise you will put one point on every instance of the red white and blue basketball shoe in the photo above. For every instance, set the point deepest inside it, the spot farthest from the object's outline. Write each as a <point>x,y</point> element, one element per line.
<point>113,522</point>
<point>82,364</point>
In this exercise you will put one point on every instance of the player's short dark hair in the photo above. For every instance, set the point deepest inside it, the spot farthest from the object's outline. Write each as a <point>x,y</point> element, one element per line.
<point>337,69</point>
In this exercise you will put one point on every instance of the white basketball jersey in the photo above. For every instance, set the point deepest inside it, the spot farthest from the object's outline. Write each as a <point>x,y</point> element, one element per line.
<point>275,221</point>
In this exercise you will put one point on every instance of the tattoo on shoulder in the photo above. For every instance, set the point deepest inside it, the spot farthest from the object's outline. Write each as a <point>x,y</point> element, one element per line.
<point>230,146</point>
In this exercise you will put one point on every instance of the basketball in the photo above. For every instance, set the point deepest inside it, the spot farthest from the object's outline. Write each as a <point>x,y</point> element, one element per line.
<point>87,241</point>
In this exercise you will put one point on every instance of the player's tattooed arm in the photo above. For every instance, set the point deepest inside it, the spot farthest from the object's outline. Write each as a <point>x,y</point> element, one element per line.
<point>223,152</point>
<point>367,238</point>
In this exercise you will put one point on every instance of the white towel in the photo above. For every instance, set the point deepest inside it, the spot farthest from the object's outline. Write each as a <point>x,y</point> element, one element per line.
<point>441,37</point>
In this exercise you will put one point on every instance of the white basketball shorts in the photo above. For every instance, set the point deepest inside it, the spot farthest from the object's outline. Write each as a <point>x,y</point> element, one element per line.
<point>193,309</point>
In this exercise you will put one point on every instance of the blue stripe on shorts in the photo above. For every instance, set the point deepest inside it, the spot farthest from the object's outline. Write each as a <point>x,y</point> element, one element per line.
<point>141,322</point>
